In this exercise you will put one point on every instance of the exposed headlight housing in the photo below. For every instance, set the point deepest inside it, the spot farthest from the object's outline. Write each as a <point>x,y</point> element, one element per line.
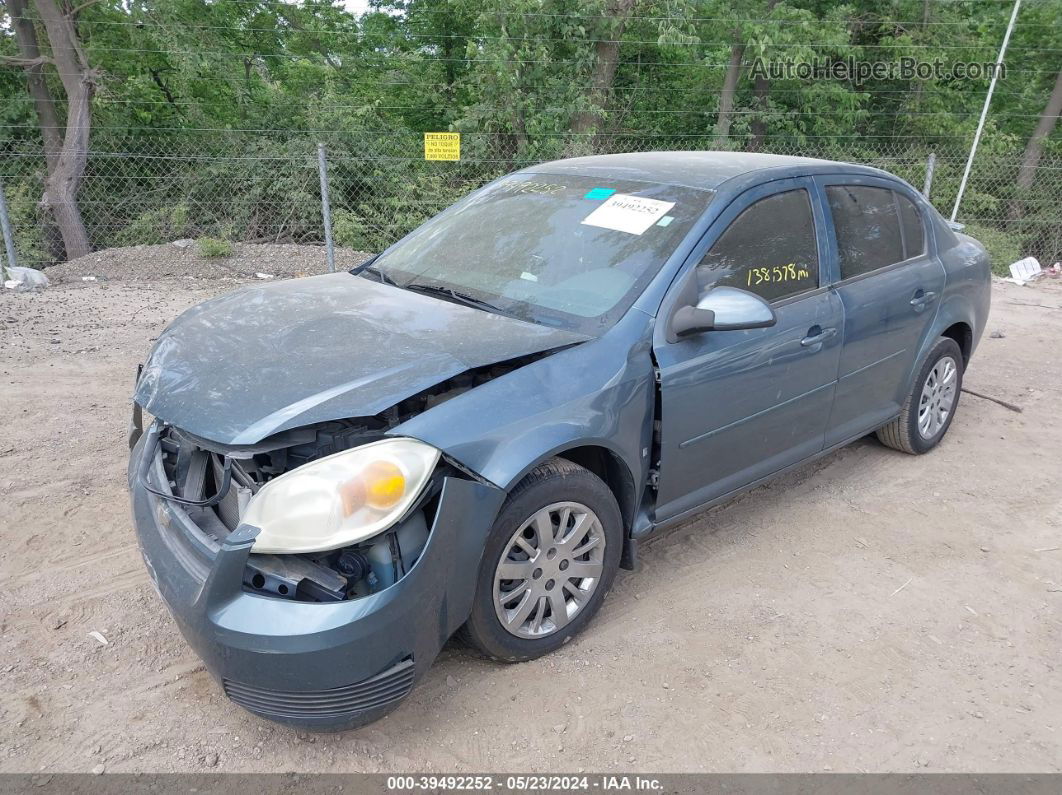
<point>340,499</point>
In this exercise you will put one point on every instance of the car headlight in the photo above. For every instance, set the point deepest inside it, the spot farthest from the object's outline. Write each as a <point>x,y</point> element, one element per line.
<point>340,499</point>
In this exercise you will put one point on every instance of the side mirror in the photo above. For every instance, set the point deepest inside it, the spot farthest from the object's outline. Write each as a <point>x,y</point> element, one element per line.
<point>723,309</point>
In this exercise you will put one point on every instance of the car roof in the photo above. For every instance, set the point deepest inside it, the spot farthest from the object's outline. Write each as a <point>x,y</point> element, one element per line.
<point>703,170</point>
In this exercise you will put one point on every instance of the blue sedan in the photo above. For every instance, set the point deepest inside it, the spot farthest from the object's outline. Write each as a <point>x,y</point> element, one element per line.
<point>472,432</point>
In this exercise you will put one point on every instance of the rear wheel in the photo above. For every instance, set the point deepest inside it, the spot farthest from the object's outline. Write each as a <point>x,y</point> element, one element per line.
<point>549,562</point>
<point>930,408</point>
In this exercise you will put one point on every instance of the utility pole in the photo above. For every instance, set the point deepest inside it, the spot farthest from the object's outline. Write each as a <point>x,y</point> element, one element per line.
<point>984,110</point>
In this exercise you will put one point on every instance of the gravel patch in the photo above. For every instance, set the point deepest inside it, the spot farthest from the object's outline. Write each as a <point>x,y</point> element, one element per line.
<point>170,261</point>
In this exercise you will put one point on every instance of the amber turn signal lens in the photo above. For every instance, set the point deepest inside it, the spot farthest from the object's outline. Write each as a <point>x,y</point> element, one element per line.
<point>385,485</point>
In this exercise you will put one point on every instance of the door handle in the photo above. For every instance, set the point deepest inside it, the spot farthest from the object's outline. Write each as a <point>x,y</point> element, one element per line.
<point>817,335</point>
<point>923,299</point>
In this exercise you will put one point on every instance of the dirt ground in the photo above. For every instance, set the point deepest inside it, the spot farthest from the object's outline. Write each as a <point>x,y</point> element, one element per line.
<point>870,612</point>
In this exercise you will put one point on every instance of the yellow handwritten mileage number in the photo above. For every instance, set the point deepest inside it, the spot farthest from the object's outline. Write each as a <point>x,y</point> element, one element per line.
<point>777,274</point>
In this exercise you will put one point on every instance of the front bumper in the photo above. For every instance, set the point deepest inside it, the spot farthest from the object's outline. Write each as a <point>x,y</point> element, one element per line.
<point>326,666</point>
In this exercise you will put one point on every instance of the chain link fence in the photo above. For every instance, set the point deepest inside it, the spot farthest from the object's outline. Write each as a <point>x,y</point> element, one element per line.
<point>245,187</point>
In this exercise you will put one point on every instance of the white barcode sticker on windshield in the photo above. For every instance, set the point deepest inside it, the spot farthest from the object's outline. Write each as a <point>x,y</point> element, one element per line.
<point>625,213</point>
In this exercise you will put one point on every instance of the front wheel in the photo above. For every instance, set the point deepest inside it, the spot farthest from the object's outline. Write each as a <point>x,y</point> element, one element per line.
<point>548,564</point>
<point>930,408</point>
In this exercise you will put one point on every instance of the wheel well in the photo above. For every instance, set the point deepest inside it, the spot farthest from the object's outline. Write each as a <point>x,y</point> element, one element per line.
<point>610,468</point>
<point>963,336</point>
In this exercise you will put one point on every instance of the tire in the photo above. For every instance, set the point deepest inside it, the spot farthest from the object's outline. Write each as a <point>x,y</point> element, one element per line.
<point>904,433</point>
<point>548,491</point>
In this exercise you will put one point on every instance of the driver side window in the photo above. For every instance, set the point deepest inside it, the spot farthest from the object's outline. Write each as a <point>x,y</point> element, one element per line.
<point>769,249</point>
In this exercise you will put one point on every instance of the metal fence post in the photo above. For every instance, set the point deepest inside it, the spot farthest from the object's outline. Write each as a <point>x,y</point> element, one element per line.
<point>984,110</point>
<point>931,163</point>
<point>326,209</point>
<point>9,238</point>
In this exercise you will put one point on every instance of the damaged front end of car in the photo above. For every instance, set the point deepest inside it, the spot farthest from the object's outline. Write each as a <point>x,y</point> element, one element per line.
<point>214,484</point>
<point>315,553</point>
<point>328,639</point>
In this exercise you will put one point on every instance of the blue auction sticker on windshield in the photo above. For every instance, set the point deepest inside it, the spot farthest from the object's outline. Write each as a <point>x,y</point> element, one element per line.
<point>599,193</point>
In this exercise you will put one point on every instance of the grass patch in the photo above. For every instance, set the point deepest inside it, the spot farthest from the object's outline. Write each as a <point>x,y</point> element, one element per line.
<point>1003,247</point>
<point>214,247</point>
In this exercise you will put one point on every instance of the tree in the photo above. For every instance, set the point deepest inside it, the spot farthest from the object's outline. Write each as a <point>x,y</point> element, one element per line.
<point>43,104</point>
<point>221,87</point>
<point>606,59</point>
<point>1034,149</point>
<point>65,158</point>
<point>761,91</point>
<point>33,64</point>
<point>726,96</point>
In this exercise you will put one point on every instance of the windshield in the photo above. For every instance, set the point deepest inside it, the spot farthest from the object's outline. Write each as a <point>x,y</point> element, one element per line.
<point>561,250</point>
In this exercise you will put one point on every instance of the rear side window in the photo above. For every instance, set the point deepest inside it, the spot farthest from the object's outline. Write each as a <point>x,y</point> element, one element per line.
<point>867,224</point>
<point>769,249</point>
<point>914,238</point>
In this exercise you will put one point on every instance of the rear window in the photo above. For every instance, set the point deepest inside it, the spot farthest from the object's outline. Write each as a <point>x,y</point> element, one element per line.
<point>867,224</point>
<point>914,236</point>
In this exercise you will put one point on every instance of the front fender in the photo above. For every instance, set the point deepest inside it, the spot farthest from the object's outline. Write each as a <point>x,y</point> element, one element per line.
<point>598,393</point>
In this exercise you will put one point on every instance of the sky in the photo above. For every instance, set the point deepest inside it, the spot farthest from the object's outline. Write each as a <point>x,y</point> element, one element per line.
<point>356,6</point>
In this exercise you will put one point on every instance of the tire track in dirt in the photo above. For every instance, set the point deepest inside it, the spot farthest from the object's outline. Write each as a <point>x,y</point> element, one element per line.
<point>70,564</point>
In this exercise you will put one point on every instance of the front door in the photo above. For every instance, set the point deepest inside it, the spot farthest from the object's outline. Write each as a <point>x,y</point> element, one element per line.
<point>890,282</point>
<point>737,406</point>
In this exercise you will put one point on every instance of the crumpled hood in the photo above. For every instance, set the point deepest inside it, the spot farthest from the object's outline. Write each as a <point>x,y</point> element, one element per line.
<point>267,358</point>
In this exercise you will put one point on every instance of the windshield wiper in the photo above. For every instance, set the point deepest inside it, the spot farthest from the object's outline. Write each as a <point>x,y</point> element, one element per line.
<point>457,297</point>
<point>368,267</point>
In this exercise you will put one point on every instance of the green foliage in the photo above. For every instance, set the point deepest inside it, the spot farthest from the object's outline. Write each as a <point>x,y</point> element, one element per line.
<point>30,245</point>
<point>207,115</point>
<point>214,247</point>
<point>161,225</point>
<point>1003,247</point>
<point>350,231</point>
<point>381,218</point>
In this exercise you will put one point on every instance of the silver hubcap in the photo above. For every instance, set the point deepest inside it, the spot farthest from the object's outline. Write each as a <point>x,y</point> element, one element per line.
<point>938,397</point>
<point>549,570</point>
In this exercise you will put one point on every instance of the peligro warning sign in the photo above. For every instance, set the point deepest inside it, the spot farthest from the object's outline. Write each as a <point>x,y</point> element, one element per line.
<point>442,146</point>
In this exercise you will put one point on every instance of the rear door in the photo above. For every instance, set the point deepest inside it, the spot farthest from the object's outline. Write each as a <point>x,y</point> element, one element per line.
<point>737,406</point>
<point>890,281</point>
